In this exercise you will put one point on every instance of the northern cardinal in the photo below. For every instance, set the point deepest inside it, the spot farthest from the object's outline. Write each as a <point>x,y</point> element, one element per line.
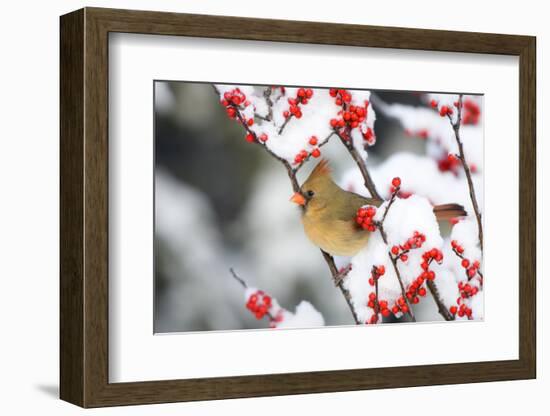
<point>329,213</point>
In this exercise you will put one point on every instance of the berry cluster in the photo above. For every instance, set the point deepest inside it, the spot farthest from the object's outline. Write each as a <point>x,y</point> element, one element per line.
<point>462,310</point>
<point>400,306</point>
<point>351,116</point>
<point>259,304</point>
<point>234,97</point>
<point>377,272</point>
<point>444,110</point>
<point>302,98</point>
<point>449,163</point>
<point>400,251</point>
<point>365,218</point>
<point>304,154</point>
<point>416,288</point>
<point>471,268</point>
<point>377,305</point>
<point>233,101</point>
<point>470,113</point>
<point>467,290</point>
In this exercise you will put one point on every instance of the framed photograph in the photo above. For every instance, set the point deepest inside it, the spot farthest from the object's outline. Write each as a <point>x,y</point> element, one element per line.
<point>254,207</point>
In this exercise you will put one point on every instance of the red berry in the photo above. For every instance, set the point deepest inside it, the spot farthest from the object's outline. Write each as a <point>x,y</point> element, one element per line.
<point>231,112</point>
<point>453,310</point>
<point>396,182</point>
<point>395,310</point>
<point>316,152</point>
<point>250,138</point>
<point>313,140</point>
<point>433,103</point>
<point>465,263</point>
<point>381,270</point>
<point>404,257</point>
<point>263,137</point>
<point>385,312</point>
<point>422,291</point>
<point>395,250</point>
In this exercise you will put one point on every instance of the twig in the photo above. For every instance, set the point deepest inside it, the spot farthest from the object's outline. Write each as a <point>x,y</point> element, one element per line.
<point>237,278</point>
<point>456,129</point>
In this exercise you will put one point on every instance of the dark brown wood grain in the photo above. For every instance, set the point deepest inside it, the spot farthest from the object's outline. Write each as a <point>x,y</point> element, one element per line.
<point>84,207</point>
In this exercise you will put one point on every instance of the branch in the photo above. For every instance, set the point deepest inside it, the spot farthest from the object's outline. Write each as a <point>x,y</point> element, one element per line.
<point>361,164</point>
<point>267,96</point>
<point>456,129</point>
<point>443,311</point>
<point>340,284</point>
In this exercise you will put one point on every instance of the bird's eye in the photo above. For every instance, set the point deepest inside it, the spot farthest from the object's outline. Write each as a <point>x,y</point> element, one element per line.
<point>310,193</point>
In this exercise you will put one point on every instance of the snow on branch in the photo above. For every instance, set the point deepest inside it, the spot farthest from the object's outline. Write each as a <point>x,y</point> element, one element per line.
<point>262,305</point>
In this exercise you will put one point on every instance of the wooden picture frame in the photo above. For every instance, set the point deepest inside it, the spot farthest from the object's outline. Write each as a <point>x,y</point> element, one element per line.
<point>84,207</point>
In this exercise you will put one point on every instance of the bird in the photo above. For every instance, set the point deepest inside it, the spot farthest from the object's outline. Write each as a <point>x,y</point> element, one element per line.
<point>328,214</point>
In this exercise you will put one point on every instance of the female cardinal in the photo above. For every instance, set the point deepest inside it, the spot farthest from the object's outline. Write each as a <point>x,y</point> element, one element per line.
<point>329,213</point>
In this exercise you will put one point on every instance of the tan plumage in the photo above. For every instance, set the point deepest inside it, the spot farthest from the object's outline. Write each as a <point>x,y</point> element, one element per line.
<point>329,213</point>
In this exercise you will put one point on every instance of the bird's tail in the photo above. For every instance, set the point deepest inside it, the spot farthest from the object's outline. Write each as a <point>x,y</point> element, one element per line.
<point>448,211</point>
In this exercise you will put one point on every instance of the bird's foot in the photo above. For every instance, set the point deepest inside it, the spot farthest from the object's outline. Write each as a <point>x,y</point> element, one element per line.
<point>342,273</point>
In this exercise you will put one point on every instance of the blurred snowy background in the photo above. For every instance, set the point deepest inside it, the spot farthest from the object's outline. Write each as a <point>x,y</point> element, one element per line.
<point>222,202</point>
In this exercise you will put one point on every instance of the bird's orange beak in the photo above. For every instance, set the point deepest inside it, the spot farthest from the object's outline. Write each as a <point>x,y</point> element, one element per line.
<point>298,198</point>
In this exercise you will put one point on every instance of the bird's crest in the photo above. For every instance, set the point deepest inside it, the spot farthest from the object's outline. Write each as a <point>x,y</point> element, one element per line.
<point>322,168</point>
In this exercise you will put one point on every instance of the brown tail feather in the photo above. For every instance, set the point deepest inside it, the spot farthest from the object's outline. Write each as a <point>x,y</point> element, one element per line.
<point>448,211</point>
